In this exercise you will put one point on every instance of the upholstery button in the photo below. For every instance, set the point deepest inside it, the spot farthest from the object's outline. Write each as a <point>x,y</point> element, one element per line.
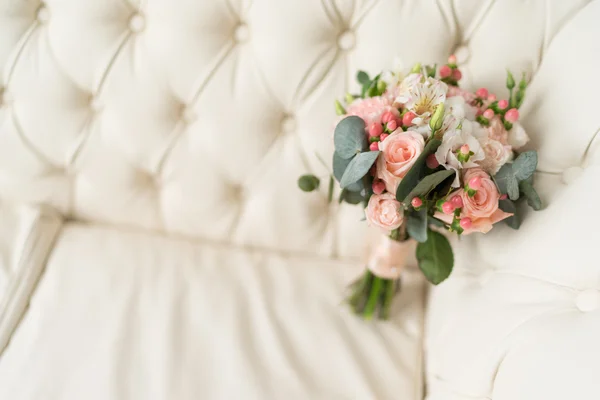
<point>346,40</point>
<point>571,174</point>
<point>6,97</point>
<point>95,104</point>
<point>588,300</point>
<point>188,114</point>
<point>288,124</point>
<point>137,23</point>
<point>43,14</point>
<point>462,54</point>
<point>242,33</point>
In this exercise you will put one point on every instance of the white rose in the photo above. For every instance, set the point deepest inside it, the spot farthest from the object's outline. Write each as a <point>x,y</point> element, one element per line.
<point>496,155</point>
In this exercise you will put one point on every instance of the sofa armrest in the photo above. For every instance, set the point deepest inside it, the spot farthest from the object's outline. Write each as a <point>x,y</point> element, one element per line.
<point>27,235</point>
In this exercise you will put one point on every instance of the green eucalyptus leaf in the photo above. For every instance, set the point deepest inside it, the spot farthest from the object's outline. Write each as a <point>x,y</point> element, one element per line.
<point>533,199</point>
<point>358,167</point>
<point>339,166</point>
<point>416,173</point>
<point>351,197</point>
<point>308,183</point>
<point>429,183</point>
<point>416,225</point>
<point>510,207</point>
<point>349,137</point>
<point>362,77</point>
<point>436,222</point>
<point>513,189</point>
<point>507,182</point>
<point>525,164</point>
<point>435,257</point>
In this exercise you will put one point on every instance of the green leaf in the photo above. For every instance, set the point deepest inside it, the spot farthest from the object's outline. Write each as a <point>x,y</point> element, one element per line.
<point>416,225</point>
<point>308,183</point>
<point>351,197</point>
<point>349,137</point>
<point>507,182</point>
<point>362,77</point>
<point>435,257</point>
<point>436,222</point>
<point>339,108</point>
<point>339,166</point>
<point>416,173</point>
<point>510,80</point>
<point>525,165</point>
<point>358,167</point>
<point>510,207</point>
<point>533,199</point>
<point>330,189</point>
<point>429,183</point>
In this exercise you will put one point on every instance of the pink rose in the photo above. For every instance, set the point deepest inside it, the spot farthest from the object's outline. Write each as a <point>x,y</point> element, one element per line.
<point>399,152</point>
<point>482,208</point>
<point>371,109</point>
<point>384,211</point>
<point>497,131</point>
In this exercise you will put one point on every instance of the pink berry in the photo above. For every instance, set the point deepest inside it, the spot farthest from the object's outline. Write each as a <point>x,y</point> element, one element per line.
<point>416,202</point>
<point>457,201</point>
<point>502,104</point>
<point>456,74</point>
<point>492,97</point>
<point>452,59</point>
<point>448,208</point>
<point>383,136</point>
<point>432,162</point>
<point>408,118</point>
<point>466,223</point>
<point>503,197</point>
<point>374,146</point>
<point>445,71</point>
<point>512,115</point>
<point>482,92</point>
<point>375,129</point>
<point>465,149</point>
<point>489,113</point>
<point>392,125</point>
<point>475,183</point>
<point>387,117</point>
<point>378,187</point>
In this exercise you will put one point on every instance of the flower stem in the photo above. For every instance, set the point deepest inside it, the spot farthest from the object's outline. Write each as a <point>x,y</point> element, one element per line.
<point>371,305</point>
<point>388,296</point>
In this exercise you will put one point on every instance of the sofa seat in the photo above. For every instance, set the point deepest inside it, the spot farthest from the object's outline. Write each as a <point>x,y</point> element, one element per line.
<point>132,315</point>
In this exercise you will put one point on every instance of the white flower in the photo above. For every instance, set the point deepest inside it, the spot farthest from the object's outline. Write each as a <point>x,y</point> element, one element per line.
<point>424,96</point>
<point>496,155</point>
<point>402,91</point>
<point>452,141</point>
<point>517,137</point>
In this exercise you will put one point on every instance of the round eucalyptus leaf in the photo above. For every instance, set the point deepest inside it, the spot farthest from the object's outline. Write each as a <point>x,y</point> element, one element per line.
<point>349,137</point>
<point>308,183</point>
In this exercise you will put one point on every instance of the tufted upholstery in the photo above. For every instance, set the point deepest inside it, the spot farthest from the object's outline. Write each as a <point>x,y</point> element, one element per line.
<point>193,118</point>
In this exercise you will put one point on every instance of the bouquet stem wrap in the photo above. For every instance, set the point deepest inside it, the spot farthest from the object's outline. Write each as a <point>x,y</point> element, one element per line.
<point>372,294</point>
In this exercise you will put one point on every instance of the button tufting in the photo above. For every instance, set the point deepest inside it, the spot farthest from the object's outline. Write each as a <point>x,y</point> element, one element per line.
<point>137,23</point>
<point>6,97</point>
<point>241,33</point>
<point>588,300</point>
<point>188,114</point>
<point>571,174</point>
<point>94,103</point>
<point>462,54</point>
<point>346,40</point>
<point>288,124</point>
<point>43,14</point>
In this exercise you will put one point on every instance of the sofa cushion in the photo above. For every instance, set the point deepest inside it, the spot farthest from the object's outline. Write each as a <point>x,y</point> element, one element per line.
<point>132,316</point>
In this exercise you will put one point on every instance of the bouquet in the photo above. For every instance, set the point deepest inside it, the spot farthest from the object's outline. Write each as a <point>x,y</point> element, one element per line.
<point>426,159</point>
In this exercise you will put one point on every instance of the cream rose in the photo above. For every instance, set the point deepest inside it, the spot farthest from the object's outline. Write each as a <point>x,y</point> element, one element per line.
<point>482,209</point>
<point>496,155</point>
<point>399,151</point>
<point>384,211</point>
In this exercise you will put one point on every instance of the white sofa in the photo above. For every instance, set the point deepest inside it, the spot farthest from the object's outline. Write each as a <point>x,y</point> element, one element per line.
<point>153,244</point>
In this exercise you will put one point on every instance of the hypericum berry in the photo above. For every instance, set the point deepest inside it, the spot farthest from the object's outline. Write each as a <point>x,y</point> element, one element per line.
<point>465,149</point>
<point>475,183</point>
<point>392,125</point>
<point>445,71</point>
<point>374,146</point>
<point>383,136</point>
<point>375,129</point>
<point>408,118</point>
<point>416,202</point>
<point>492,97</point>
<point>456,74</point>
<point>502,104</point>
<point>452,59</point>
<point>512,115</point>
<point>457,202</point>
<point>482,92</point>
<point>503,197</point>
<point>432,162</point>
<point>448,208</point>
<point>387,117</point>
<point>489,113</point>
<point>466,223</point>
<point>378,187</point>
